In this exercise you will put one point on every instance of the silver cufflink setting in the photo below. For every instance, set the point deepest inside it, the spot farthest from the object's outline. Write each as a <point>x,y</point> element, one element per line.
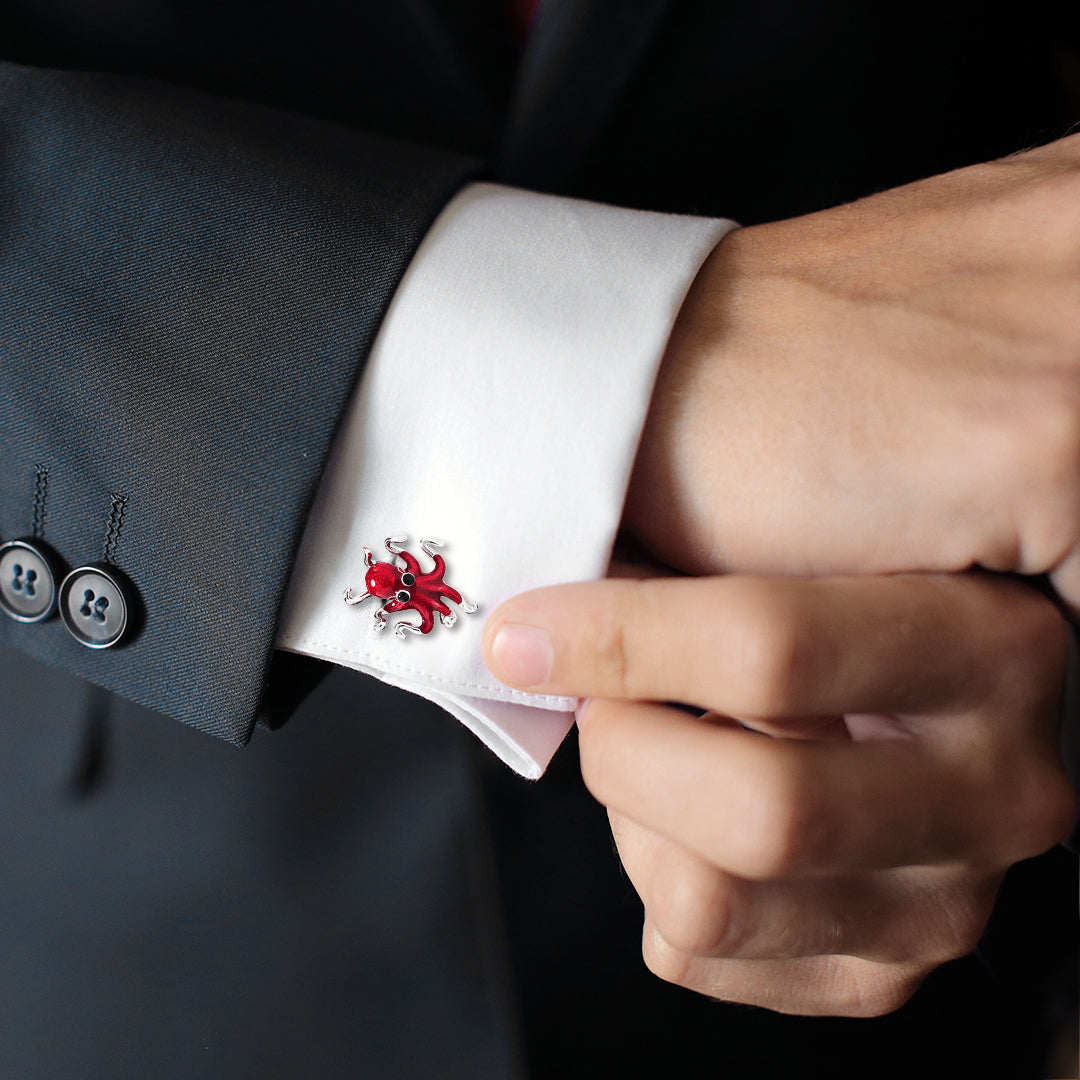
<point>409,588</point>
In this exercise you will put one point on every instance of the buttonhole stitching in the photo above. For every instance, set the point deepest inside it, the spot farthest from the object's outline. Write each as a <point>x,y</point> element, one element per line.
<point>115,524</point>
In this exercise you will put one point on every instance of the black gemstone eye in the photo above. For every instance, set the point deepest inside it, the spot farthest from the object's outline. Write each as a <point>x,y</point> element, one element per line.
<point>408,579</point>
<point>403,595</point>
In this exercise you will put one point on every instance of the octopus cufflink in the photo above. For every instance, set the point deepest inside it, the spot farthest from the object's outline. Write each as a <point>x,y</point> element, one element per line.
<point>408,588</point>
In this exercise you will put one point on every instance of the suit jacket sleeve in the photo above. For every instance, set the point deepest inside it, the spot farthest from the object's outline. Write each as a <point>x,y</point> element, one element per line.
<point>188,290</point>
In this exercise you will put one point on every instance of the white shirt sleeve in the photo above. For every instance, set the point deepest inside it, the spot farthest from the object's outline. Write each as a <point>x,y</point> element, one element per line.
<point>500,411</point>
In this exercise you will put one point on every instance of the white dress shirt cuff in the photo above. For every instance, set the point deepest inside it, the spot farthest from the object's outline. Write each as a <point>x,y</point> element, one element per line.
<point>500,411</point>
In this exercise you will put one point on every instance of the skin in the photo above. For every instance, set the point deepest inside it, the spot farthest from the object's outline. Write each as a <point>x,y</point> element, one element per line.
<point>880,388</point>
<point>887,386</point>
<point>829,868</point>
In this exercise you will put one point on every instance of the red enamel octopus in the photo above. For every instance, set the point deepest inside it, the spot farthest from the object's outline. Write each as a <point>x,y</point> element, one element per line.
<point>408,588</point>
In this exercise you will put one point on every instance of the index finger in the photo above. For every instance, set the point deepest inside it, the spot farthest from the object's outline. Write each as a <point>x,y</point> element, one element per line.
<point>766,808</point>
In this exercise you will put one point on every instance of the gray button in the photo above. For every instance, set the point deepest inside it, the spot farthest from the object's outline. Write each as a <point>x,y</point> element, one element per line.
<point>94,606</point>
<point>27,584</point>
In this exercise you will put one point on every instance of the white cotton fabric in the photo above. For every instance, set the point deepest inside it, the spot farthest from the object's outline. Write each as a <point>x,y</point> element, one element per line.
<point>499,411</point>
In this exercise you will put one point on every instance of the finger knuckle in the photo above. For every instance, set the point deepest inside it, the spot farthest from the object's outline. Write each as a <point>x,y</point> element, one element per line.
<point>1047,809</point>
<point>954,922</point>
<point>1029,661</point>
<point>781,831</point>
<point>1045,636</point>
<point>778,656</point>
<point>607,644</point>
<point>1036,804</point>
<point>1033,806</point>
<point>662,959</point>
<point>693,915</point>
<point>965,933</point>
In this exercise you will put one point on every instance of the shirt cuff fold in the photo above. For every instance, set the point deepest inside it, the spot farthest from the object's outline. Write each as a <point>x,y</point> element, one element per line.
<point>500,412</point>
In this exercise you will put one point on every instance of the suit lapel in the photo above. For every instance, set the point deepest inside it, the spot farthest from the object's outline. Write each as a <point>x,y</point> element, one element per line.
<point>580,56</point>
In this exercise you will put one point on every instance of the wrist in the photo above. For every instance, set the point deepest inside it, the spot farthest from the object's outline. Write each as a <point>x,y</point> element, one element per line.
<point>668,496</point>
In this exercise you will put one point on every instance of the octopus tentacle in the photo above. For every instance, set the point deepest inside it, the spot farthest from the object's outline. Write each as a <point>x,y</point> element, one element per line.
<point>450,593</point>
<point>435,574</point>
<point>427,619</point>
<point>412,564</point>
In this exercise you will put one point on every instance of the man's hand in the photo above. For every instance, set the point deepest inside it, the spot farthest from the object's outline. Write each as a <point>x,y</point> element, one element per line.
<point>828,869</point>
<point>891,385</point>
